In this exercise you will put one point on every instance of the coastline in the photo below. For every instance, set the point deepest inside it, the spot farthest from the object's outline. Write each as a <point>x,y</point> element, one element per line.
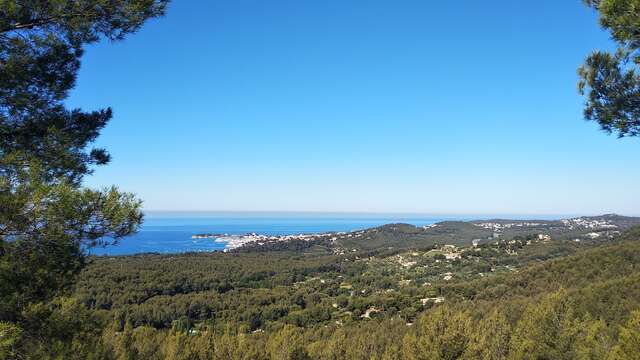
<point>236,241</point>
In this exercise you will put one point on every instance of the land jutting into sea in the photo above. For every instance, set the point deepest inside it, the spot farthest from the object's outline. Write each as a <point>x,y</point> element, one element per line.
<point>471,232</point>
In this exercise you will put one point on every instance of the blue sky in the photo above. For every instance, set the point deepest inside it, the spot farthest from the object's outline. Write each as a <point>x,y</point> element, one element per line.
<point>443,107</point>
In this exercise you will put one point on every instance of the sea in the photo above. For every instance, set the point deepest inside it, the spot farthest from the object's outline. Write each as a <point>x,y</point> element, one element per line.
<point>170,232</point>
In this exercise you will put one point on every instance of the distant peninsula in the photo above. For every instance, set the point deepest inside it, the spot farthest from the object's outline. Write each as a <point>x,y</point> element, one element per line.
<point>401,236</point>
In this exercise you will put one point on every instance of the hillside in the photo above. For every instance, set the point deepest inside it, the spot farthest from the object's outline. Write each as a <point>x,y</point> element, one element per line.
<point>385,301</point>
<point>402,236</point>
<point>396,237</point>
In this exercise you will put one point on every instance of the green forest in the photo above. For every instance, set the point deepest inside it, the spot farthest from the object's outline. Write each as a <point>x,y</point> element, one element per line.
<point>455,290</point>
<point>516,298</point>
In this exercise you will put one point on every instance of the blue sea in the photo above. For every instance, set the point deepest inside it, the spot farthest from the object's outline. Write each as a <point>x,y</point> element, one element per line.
<point>170,232</point>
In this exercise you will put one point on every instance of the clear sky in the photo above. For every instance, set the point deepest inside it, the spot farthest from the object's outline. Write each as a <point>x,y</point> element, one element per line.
<point>440,107</point>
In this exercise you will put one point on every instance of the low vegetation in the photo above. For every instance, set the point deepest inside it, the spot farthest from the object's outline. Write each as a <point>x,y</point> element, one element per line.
<point>525,296</point>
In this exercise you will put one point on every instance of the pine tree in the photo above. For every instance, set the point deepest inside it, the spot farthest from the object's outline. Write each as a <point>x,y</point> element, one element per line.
<point>287,344</point>
<point>547,330</point>
<point>47,220</point>
<point>611,81</point>
<point>628,346</point>
<point>441,334</point>
<point>490,339</point>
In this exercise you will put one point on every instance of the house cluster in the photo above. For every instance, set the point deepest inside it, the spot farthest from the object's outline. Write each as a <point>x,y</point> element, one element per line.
<point>585,223</point>
<point>236,241</point>
<point>450,252</point>
<point>498,226</point>
<point>543,238</point>
<point>435,300</point>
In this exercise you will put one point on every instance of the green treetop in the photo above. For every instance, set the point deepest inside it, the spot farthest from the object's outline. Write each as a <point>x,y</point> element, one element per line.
<point>47,220</point>
<point>611,81</point>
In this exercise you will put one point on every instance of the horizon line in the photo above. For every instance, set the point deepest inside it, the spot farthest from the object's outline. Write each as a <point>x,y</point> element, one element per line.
<point>385,213</point>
